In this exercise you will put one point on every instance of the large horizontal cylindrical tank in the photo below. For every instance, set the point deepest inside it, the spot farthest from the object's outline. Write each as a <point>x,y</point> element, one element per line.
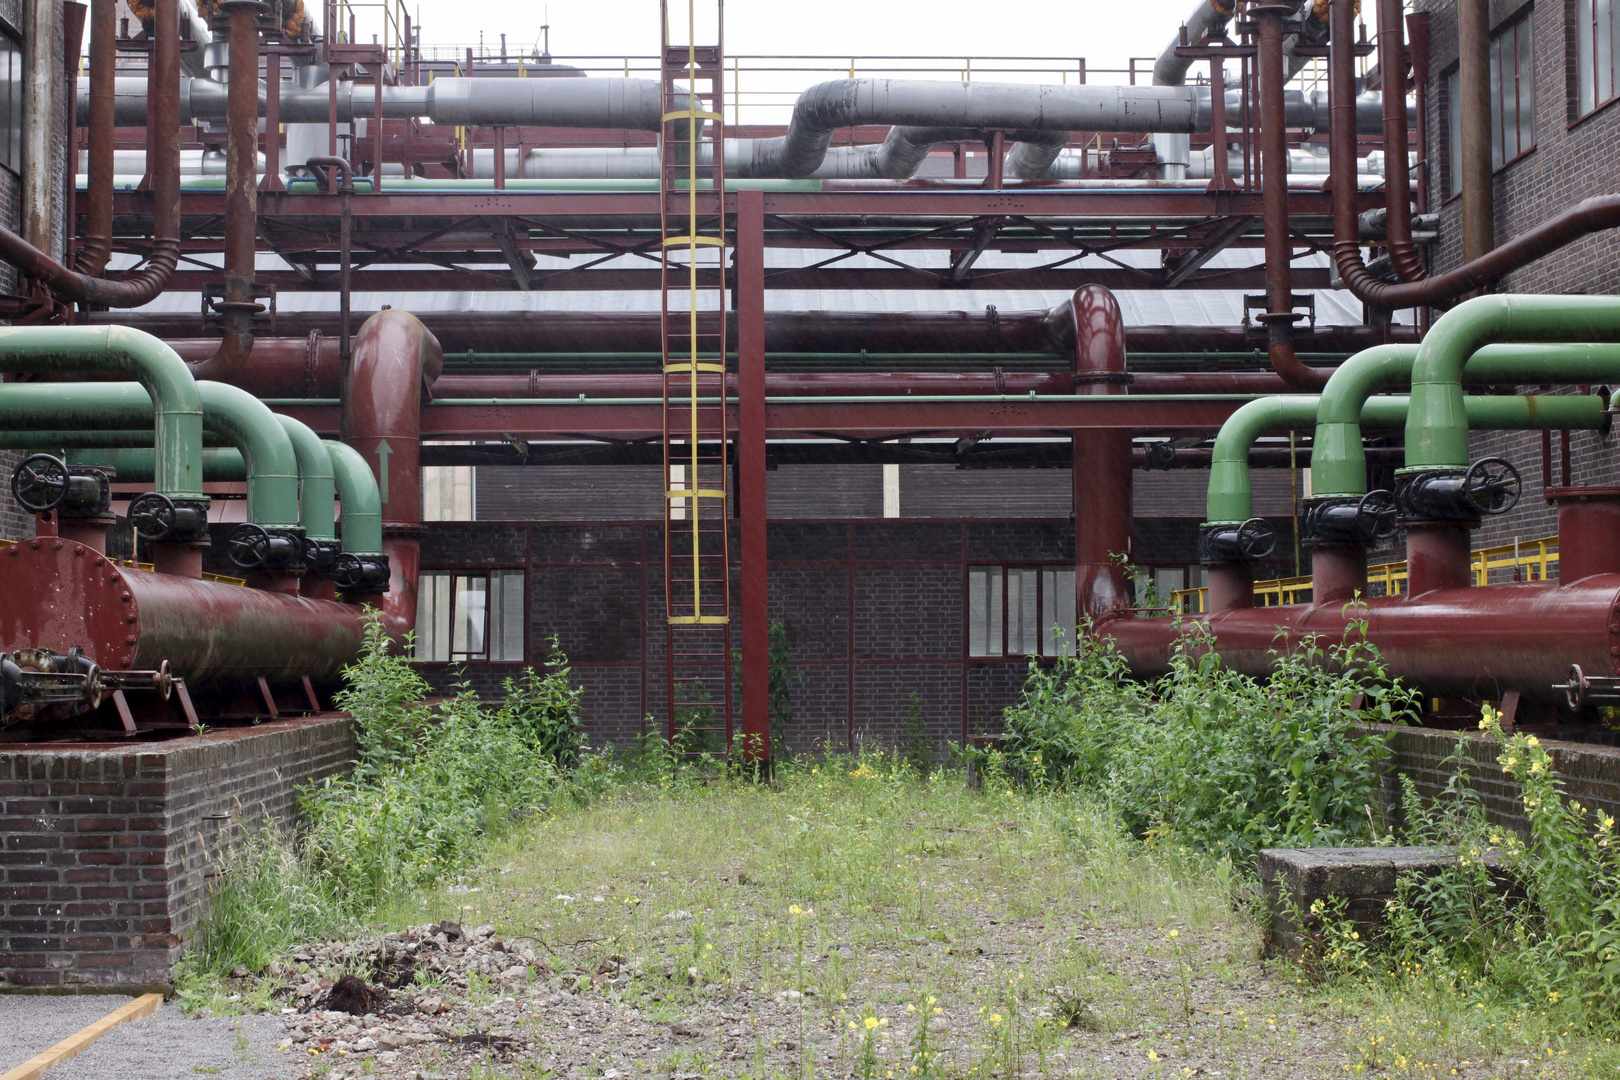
<point>59,593</point>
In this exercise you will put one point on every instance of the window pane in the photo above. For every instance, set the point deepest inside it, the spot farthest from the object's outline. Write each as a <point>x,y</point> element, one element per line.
<point>447,493</point>
<point>978,613</point>
<point>1057,611</point>
<point>995,644</point>
<point>432,618</point>
<point>506,615</point>
<point>1583,62</point>
<point>1603,62</point>
<point>1029,616</point>
<point>1527,88</point>
<point>11,86</point>
<point>1497,101</point>
<point>1453,135</point>
<point>467,632</point>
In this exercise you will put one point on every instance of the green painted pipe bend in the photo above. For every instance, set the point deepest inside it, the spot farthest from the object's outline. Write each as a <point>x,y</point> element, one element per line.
<point>316,487</point>
<point>1338,463</point>
<point>1436,429</point>
<point>133,464</point>
<point>272,467</point>
<point>362,502</point>
<point>1231,496</point>
<point>119,350</point>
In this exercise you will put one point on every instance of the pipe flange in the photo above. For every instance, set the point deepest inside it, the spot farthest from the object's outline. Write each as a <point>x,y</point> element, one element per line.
<point>158,518</point>
<point>321,556</point>
<point>231,7</point>
<point>226,307</point>
<point>1236,541</point>
<point>253,547</point>
<point>361,573</point>
<point>1491,485</point>
<point>1103,378</point>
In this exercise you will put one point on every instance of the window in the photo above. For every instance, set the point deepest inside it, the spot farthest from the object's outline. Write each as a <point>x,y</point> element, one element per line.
<point>463,616</point>
<point>1019,610</point>
<point>1513,102</point>
<point>449,493</point>
<point>11,103</point>
<point>1595,36</point>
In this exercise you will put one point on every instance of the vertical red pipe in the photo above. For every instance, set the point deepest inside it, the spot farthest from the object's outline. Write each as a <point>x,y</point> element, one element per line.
<point>1437,556</point>
<point>754,604</point>
<point>1102,459</point>
<point>1588,531</point>
<point>1338,573</point>
<point>395,356</point>
<point>98,191</point>
<point>272,119</point>
<point>1397,179</point>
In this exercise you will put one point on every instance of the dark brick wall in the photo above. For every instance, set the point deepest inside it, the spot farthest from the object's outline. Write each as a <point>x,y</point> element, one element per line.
<point>873,610</point>
<point>108,849</point>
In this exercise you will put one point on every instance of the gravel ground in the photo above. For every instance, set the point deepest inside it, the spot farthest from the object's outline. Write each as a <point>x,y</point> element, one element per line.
<point>33,1023</point>
<point>167,1046</point>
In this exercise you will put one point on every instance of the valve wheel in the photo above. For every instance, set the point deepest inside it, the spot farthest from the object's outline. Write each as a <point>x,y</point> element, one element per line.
<point>249,546</point>
<point>1493,485</point>
<point>1575,688</point>
<point>153,516</point>
<point>1256,538</point>
<point>1376,515</point>
<point>40,483</point>
<point>348,571</point>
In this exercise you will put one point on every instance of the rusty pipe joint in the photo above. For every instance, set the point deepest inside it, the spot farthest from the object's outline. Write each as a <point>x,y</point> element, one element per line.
<point>1349,519</point>
<point>1236,541</point>
<point>157,518</point>
<point>345,171</point>
<point>1491,485</point>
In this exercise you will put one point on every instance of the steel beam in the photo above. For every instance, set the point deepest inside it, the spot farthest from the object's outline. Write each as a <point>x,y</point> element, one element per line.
<point>751,475</point>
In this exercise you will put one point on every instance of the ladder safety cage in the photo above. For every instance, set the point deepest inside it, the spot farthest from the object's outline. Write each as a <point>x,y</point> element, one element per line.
<point>696,436</point>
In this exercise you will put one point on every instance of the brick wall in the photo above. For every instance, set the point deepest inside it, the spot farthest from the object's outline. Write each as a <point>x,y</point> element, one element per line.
<point>873,611</point>
<point>1590,770</point>
<point>108,849</point>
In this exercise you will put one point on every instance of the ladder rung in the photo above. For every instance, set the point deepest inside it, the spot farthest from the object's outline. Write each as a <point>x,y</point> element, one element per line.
<point>691,114</point>
<point>686,366</point>
<point>710,241</point>
<point>699,620</point>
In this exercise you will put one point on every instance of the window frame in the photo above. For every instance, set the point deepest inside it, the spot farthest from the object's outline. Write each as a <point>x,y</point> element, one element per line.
<point>1451,187</point>
<point>485,572</point>
<point>1579,113</point>
<point>1040,569</point>
<point>13,37</point>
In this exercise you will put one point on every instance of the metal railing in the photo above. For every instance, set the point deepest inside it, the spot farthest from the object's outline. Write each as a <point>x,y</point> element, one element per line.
<point>1529,560</point>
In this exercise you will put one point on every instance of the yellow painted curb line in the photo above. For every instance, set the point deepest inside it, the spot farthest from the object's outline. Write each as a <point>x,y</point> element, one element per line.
<point>139,1009</point>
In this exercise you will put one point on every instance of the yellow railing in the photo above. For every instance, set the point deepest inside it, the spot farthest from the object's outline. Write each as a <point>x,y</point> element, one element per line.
<point>1530,560</point>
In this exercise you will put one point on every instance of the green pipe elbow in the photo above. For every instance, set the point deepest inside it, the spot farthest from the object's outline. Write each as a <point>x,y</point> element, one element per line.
<point>1231,496</point>
<point>120,350</point>
<point>316,487</point>
<point>362,502</point>
<point>1437,427</point>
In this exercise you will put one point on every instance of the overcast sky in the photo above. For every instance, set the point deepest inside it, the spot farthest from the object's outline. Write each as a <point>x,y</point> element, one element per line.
<point>1105,32</point>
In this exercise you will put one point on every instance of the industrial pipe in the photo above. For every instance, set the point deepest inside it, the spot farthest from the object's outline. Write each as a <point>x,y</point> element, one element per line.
<point>176,403</point>
<point>272,466</point>
<point>1475,136</point>
<point>360,498</point>
<point>985,330</point>
<point>132,463</point>
<point>1231,496</point>
<point>161,89</point>
<point>1403,253</point>
<point>395,358</point>
<point>316,482</point>
<point>97,247</point>
<point>1102,459</point>
<point>1435,439</point>
<point>1279,320</point>
<point>1591,215</point>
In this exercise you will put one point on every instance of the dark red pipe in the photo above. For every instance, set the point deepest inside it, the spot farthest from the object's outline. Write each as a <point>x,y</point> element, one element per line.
<point>1591,215</point>
<point>395,360</point>
<point>1397,178</point>
<point>98,197</point>
<point>163,93</point>
<point>1102,459</point>
<point>792,332</point>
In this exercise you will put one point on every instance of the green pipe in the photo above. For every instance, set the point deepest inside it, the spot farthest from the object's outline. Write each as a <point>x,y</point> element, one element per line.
<point>1338,464</point>
<point>272,467</point>
<point>362,502</point>
<point>395,186</point>
<point>134,354</point>
<point>316,487</point>
<point>40,440</point>
<point>1436,429</point>
<point>1231,497</point>
<point>133,464</point>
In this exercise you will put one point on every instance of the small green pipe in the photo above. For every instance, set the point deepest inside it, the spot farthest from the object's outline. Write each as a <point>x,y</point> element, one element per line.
<point>133,464</point>
<point>44,441</point>
<point>272,467</point>
<point>1231,496</point>
<point>316,487</point>
<point>362,502</point>
<point>1436,428</point>
<point>135,354</point>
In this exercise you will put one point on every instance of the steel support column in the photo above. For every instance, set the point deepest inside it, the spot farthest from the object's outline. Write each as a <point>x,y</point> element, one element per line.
<point>751,472</point>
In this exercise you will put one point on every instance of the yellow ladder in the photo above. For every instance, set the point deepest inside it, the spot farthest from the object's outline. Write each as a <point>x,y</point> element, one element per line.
<point>696,430</point>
